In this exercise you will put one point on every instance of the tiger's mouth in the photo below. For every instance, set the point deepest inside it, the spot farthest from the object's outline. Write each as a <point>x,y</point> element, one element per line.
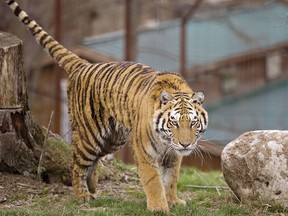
<point>184,150</point>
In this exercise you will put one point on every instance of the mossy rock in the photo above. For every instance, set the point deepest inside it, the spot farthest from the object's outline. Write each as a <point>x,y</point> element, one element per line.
<point>57,162</point>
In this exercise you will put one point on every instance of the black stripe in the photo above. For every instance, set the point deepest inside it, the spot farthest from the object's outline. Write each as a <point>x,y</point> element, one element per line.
<point>17,11</point>
<point>32,29</point>
<point>83,136</point>
<point>10,2</point>
<point>163,123</point>
<point>204,117</point>
<point>89,129</point>
<point>85,87</point>
<point>80,65</point>
<point>83,166</point>
<point>165,83</point>
<point>50,41</point>
<point>42,38</point>
<point>141,85</point>
<point>76,62</point>
<point>151,179</point>
<point>59,56</point>
<point>101,119</point>
<point>120,80</point>
<point>139,88</point>
<point>158,118</point>
<point>177,109</point>
<point>152,140</point>
<point>111,122</point>
<point>89,150</point>
<point>124,79</point>
<point>105,80</point>
<point>83,155</point>
<point>67,61</point>
<point>100,73</point>
<point>125,96</point>
<point>148,86</point>
<point>139,140</point>
<point>26,20</point>
<point>130,84</point>
<point>111,77</point>
<point>116,78</point>
<point>37,32</point>
<point>95,120</point>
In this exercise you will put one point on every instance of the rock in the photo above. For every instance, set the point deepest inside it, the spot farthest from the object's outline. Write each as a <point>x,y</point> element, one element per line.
<point>255,167</point>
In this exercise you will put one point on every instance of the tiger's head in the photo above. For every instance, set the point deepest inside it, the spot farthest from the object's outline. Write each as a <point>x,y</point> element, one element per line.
<point>181,120</point>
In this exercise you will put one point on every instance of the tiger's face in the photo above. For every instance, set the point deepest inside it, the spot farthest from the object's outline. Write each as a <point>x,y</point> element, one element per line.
<point>181,120</point>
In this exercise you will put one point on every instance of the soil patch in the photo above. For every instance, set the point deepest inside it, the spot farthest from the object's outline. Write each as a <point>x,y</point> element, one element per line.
<point>19,190</point>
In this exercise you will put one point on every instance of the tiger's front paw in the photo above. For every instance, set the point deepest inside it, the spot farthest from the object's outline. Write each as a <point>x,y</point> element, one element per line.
<point>158,207</point>
<point>176,201</point>
<point>86,197</point>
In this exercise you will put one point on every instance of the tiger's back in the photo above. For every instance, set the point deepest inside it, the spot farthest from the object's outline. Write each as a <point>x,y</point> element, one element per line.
<point>112,103</point>
<point>105,108</point>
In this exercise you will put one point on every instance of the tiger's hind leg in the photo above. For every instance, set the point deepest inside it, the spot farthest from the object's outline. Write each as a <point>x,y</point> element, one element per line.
<point>86,156</point>
<point>84,160</point>
<point>92,179</point>
<point>79,181</point>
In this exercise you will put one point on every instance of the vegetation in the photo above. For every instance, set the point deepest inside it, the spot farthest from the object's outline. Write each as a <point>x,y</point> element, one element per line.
<point>124,196</point>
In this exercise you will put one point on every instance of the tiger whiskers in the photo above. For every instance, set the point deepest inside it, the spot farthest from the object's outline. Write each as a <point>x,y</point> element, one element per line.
<point>197,151</point>
<point>208,140</point>
<point>205,150</point>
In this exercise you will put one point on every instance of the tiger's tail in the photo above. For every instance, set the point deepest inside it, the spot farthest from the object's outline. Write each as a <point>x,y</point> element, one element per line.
<point>63,57</point>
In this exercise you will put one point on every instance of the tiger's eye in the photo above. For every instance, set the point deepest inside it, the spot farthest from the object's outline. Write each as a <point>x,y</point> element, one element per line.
<point>174,123</point>
<point>194,122</point>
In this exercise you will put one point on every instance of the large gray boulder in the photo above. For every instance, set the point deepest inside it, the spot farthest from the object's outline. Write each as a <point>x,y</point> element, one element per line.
<point>255,167</point>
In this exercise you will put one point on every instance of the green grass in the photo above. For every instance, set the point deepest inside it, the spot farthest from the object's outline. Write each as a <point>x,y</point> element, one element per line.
<point>200,201</point>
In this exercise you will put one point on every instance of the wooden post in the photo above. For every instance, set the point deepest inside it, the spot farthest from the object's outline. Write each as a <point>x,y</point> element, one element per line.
<point>131,23</point>
<point>21,138</point>
<point>183,42</point>
<point>57,70</point>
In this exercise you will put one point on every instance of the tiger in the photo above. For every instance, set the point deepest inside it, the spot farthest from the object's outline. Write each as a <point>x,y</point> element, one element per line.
<point>114,103</point>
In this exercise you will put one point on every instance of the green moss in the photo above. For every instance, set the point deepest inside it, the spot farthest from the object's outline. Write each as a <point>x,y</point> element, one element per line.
<point>61,150</point>
<point>58,163</point>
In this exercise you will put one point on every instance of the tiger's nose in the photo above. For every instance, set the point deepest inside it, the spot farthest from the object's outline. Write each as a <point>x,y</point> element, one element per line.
<point>185,145</point>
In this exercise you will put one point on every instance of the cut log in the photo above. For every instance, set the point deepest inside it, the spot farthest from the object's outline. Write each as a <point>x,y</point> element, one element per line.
<point>21,138</point>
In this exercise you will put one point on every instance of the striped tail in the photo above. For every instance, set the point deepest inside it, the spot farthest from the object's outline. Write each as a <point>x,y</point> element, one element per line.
<point>63,57</point>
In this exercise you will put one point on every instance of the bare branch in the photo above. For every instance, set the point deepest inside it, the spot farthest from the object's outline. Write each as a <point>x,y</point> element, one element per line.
<point>43,147</point>
<point>208,187</point>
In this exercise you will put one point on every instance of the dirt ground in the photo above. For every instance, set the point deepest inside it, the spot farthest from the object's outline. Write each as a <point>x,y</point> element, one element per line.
<point>19,190</point>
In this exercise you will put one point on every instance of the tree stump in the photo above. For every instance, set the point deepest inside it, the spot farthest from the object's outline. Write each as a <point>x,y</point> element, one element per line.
<point>21,138</point>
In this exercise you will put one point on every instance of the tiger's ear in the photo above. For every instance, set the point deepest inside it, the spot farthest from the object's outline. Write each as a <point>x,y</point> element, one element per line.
<point>165,97</point>
<point>198,97</point>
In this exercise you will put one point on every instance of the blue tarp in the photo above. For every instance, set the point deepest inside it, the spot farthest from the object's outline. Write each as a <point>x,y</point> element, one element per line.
<point>264,109</point>
<point>228,34</point>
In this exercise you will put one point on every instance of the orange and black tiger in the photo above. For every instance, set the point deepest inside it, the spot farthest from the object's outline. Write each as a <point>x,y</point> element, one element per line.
<point>111,104</point>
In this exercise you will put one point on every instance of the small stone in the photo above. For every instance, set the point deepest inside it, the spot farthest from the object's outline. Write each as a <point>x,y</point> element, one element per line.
<point>3,198</point>
<point>26,173</point>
